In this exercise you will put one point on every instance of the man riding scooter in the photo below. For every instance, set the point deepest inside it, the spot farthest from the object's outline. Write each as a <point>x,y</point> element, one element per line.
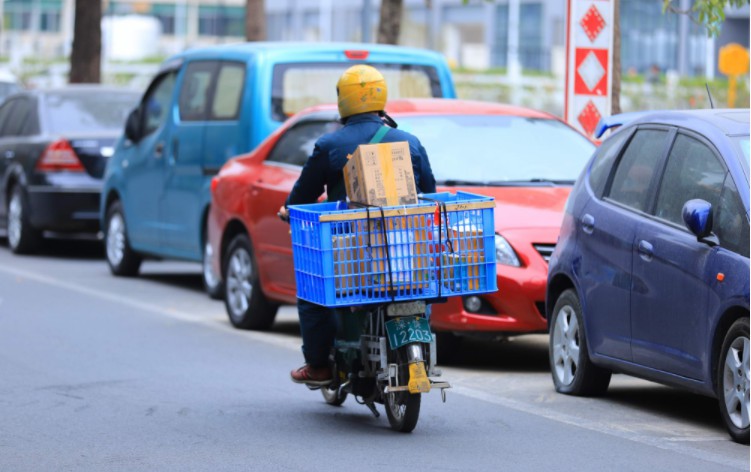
<point>362,95</point>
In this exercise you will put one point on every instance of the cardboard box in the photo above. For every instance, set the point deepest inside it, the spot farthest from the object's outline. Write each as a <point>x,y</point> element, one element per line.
<point>381,175</point>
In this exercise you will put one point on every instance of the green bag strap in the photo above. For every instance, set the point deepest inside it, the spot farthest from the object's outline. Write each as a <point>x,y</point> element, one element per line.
<point>377,137</point>
<point>379,134</point>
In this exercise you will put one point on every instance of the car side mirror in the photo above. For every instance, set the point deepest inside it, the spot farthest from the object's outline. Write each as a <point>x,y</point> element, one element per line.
<point>133,125</point>
<point>698,217</point>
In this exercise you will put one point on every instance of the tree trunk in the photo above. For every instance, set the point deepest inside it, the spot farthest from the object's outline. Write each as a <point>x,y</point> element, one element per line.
<point>390,24</point>
<point>615,106</point>
<point>255,20</point>
<point>85,57</point>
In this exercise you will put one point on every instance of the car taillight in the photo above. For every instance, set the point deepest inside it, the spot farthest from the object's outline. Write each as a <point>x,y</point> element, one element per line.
<point>356,54</point>
<point>59,156</point>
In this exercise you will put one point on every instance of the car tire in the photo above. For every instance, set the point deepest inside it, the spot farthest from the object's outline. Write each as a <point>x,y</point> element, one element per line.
<point>212,282</point>
<point>733,381</point>
<point>247,306</point>
<point>572,370</point>
<point>121,258</point>
<point>22,237</point>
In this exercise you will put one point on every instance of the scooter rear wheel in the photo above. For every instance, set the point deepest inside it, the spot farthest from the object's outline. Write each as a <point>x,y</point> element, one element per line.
<point>402,408</point>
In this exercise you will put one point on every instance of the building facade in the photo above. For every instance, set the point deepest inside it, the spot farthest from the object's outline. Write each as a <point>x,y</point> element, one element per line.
<point>526,34</point>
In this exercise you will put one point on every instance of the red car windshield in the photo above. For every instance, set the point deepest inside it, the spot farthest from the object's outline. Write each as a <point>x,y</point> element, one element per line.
<point>498,150</point>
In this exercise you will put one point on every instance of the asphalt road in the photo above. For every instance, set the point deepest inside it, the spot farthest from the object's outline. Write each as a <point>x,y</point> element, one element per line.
<point>103,373</point>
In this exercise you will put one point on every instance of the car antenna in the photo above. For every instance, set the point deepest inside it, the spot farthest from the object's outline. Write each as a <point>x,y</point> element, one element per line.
<point>711,103</point>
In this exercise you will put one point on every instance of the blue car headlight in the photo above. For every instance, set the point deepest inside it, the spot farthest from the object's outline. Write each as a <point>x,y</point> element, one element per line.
<point>504,253</point>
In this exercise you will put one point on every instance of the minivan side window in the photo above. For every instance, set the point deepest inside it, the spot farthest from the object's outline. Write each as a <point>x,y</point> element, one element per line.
<point>635,169</point>
<point>157,103</point>
<point>693,171</point>
<point>225,104</point>
<point>603,162</point>
<point>296,145</point>
<point>194,92</point>
<point>731,223</point>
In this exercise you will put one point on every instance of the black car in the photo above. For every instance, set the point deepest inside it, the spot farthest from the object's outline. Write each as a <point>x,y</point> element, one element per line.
<point>54,145</point>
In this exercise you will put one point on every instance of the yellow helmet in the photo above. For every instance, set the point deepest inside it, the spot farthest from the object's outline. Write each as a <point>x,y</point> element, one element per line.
<point>360,89</point>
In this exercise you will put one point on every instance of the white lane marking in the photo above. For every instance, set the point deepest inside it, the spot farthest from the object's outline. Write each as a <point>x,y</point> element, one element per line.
<point>673,444</point>
<point>666,443</point>
<point>214,322</point>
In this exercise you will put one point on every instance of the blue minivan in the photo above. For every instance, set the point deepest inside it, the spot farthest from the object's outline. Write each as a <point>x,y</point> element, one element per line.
<point>207,105</point>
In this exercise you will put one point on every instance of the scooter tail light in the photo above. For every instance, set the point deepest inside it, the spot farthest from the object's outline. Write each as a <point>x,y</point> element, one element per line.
<point>59,156</point>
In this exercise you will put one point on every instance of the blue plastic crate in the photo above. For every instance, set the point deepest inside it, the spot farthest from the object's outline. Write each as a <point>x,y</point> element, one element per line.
<point>441,247</point>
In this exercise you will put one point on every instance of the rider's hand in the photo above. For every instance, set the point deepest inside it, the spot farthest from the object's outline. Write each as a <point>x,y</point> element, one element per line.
<point>283,214</point>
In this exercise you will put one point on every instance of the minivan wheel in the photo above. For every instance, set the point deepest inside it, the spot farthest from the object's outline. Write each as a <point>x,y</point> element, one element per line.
<point>212,282</point>
<point>573,371</point>
<point>732,385</point>
<point>122,260</point>
<point>247,306</point>
<point>22,237</point>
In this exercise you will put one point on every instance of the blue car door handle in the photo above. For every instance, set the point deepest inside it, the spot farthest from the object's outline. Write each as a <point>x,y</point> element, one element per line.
<point>588,223</point>
<point>159,150</point>
<point>646,251</point>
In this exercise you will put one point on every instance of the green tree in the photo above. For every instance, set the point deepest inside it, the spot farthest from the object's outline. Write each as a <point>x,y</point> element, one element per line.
<point>708,13</point>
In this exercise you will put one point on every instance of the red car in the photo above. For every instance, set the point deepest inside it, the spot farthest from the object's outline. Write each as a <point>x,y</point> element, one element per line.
<point>528,160</point>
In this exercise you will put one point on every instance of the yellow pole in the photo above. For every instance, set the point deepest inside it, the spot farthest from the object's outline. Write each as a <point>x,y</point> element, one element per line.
<point>731,90</point>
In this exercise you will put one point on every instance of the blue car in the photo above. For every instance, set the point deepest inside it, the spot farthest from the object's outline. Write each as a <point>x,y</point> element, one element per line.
<point>650,276</point>
<point>207,105</point>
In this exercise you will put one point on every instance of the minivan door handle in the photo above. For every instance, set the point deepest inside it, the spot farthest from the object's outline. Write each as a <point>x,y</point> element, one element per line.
<point>588,223</point>
<point>646,251</point>
<point>159,150</point>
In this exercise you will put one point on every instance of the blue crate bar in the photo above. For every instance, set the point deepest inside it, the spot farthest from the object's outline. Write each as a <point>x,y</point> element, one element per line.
<point>443,246</point>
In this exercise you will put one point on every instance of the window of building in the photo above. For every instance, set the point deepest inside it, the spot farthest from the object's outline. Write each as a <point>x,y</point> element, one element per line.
<point>23,15</point>
<point>499,50</point>
<point>532,54</point>
<point>165,13</point>
<point>221,21</point>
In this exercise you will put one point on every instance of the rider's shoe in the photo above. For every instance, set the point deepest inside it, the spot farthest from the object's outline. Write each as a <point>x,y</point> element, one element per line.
<point>314,376</point>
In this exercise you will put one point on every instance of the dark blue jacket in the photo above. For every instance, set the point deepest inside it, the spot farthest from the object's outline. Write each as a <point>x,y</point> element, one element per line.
<point>324,166</point>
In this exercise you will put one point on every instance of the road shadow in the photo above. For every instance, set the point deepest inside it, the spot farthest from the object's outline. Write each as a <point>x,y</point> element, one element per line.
<point>66,248</point>
<point>668,401</point>
<point>193,282</point>
<point>516,354</point>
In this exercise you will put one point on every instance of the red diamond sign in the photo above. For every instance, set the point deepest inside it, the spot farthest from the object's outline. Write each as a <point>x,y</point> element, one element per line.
<point>589,117</point>
<point>592,23</point>
<point>591,71</point>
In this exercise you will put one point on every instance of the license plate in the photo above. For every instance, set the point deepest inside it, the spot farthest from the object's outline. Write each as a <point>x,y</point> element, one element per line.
<point>407,330</point>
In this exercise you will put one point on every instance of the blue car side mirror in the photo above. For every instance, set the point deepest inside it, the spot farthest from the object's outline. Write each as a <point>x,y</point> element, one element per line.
<point>698,217</point>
